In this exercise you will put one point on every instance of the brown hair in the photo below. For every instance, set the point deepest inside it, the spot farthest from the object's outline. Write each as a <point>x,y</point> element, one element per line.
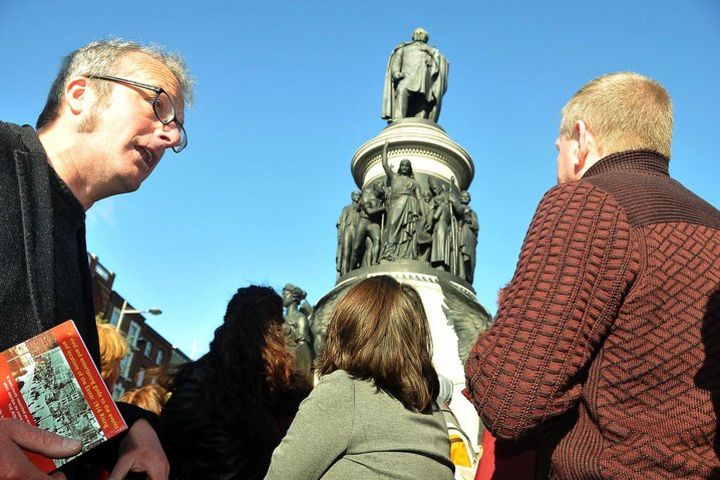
<point>379,331</point>
<point>113,348</point>
<point>150,397</point>
<point>625,111</point>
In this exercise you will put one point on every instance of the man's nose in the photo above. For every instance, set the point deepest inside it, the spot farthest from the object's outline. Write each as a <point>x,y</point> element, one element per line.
<point>170,134</point>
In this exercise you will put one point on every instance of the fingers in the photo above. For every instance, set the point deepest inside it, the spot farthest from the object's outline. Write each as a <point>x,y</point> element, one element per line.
<point>40,441</point>
<point>121,469</point>
<point>127,464</point>
<point>140,451</point>
<point>14,465</point>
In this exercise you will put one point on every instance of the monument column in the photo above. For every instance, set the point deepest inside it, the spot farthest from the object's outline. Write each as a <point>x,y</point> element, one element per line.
<point>411,218</point>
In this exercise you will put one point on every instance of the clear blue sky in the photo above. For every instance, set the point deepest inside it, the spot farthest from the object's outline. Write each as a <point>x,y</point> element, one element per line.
<point>287,91</point>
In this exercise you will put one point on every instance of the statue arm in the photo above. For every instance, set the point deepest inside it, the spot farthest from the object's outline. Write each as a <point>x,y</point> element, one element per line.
<point>396,72</point>
<point>385,163</point>
<point>373,210</point>
<point>474,225</point>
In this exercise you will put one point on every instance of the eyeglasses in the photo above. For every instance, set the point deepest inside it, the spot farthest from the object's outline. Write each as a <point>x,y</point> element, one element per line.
<point>163,106</point>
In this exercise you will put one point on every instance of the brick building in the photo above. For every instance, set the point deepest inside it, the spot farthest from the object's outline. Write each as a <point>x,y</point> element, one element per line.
<point>149,350</point>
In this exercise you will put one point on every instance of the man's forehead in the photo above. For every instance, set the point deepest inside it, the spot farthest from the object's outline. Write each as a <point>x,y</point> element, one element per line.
<point>143,68</point>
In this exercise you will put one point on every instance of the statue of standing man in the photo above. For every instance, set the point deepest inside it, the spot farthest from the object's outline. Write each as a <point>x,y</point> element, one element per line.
<point>415,80</point>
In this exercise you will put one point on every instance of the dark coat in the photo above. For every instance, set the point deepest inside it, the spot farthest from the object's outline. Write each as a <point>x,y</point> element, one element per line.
<point>27,283</point>
<point>27,263</point>
<point>198,445</point>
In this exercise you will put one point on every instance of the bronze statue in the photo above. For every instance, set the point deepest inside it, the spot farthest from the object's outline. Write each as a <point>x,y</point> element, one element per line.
<point>346,225</point>
<point>468,238</point>
<point>404,211</point>
<point>415,80</point>
<point>441,251</point>
<point>366,242</point>
<point>297,329</point>
<point>424,228</point>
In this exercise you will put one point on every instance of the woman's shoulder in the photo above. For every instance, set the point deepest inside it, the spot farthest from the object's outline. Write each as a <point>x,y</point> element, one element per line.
<point>338,377</point>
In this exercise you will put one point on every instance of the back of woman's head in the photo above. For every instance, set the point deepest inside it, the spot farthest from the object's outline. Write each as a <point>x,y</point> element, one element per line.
<point>379,332</point>
<point>113,348</point>
<point>248,362</point>
<point>150,397</point>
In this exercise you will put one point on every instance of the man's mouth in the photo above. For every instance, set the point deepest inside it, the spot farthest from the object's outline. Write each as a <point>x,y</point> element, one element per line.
<point>147,156</point>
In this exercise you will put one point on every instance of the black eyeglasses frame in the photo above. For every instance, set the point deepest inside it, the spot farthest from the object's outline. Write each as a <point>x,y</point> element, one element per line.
<point>158,91</point>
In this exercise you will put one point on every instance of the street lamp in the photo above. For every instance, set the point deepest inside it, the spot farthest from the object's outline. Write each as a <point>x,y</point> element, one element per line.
<point>131,311</point>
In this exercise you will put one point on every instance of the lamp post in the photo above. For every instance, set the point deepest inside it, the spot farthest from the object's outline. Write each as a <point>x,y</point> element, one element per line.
<point>131,311</point>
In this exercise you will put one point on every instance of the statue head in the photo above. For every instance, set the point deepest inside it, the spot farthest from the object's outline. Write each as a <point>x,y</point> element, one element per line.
<point>465,197</point>
<point>427,196</point>
<point>405,168</point>
<point>379,188</point>
<point>292,294</point>
<point>435,186</point>
<point>420,35</point>
<point>355,196</point>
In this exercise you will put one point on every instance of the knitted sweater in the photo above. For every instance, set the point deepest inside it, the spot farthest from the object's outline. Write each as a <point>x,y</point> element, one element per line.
<point>607,340</point>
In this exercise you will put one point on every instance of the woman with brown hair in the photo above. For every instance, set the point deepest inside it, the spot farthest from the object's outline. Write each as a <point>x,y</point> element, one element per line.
<point>373,413</point>
<point>230,409</point>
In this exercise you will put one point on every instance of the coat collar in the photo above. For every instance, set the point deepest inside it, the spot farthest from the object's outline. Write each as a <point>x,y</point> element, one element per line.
<point>644,161</point>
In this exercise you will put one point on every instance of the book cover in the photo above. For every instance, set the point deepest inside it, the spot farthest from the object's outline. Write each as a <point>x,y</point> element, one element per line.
<point>51,382</point>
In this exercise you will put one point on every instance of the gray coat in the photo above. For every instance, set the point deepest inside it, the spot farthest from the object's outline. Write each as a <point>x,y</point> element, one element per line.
<point>348,429</point>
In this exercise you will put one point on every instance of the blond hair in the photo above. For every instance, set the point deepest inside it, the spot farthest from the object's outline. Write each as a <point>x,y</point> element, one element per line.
<point>625,111</point>
<point>113,348</point>
<point>150,397</point>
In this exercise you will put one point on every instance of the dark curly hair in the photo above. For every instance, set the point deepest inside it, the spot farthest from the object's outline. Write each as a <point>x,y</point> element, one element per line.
<point>248,364</point>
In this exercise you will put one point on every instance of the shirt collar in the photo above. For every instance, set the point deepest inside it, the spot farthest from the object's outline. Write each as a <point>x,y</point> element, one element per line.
<point>645,161</point>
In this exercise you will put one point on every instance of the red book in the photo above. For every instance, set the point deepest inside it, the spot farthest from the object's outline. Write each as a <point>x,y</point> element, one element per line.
<point>51,382</point>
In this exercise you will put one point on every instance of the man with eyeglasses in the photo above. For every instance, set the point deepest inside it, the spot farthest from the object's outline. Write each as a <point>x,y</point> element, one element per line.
<point>113,110</point>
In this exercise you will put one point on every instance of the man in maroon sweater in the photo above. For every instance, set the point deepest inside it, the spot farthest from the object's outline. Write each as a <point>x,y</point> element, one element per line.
<point>605,353</point>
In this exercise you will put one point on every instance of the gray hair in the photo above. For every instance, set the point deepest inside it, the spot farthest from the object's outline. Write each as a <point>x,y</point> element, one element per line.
<point>101,58</point>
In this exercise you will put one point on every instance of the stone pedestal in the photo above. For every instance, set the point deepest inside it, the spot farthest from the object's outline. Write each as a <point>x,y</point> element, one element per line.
<point>430,150</point>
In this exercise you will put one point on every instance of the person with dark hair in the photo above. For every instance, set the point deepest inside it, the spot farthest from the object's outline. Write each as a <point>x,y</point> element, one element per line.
<point>373,413</point>
<point>230,409</point>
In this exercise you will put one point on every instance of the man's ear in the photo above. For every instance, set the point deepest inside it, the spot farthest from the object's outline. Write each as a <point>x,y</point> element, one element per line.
<point>78,95</point>
<point>586,141</point>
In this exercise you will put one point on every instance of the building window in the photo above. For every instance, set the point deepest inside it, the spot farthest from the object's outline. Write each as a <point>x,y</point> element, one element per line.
<point>114,316</point>
<point>140,377</point>
<point>102,272</point>
<point>148,347</point>
<point>160,357</point>
<point>133,334</point>
<point>118,391</point>
<point>125,365</point>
